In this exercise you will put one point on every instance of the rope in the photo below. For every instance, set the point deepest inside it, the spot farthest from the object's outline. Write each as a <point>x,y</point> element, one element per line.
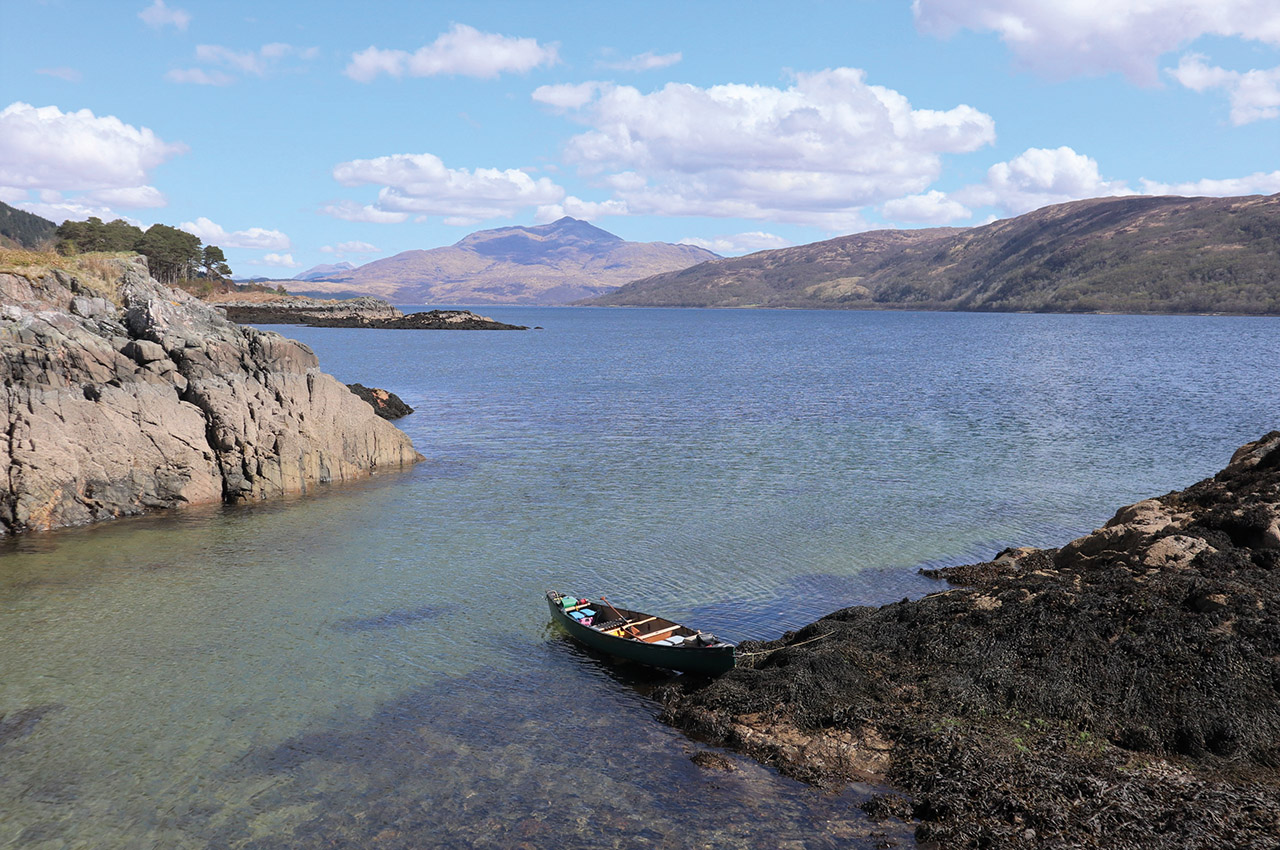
<point>788,646</point>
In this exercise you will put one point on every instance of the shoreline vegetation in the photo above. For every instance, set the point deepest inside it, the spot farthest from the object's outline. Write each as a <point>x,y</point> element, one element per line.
<point>1122,691</point>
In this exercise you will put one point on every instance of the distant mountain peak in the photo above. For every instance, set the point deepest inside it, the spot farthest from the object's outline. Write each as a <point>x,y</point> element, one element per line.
<point>565,229</point>
<point>322,270</point>
<point>553,263</point>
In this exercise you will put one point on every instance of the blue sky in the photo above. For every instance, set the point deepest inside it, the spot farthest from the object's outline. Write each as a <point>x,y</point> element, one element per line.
<point>294,134</point>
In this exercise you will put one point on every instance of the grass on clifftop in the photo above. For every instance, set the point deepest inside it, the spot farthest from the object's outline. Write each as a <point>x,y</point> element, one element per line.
<point>97,272</point>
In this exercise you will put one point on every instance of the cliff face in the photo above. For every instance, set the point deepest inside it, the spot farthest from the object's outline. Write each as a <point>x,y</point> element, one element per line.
<point>120,395</point>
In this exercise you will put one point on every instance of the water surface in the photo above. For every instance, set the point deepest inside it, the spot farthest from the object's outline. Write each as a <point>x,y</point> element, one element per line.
<point>372,666</point>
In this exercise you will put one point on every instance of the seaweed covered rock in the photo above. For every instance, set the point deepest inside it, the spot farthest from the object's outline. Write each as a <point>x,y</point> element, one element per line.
<point>1154,641</point>
<point>385,403</point>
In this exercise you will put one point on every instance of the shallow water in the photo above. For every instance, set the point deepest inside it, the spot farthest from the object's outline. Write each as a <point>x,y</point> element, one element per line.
<point>372,665</point>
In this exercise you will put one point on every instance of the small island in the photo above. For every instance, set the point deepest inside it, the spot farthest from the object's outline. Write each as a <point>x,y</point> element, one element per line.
<point>268,308</point>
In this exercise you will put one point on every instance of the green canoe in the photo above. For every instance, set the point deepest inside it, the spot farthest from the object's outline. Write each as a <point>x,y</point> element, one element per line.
<point>640,637</point>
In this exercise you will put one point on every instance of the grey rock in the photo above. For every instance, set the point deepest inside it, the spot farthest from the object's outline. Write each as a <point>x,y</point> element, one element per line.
<point>161,401</point>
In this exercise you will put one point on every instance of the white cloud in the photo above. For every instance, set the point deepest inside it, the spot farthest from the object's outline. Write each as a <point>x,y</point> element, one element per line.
<point>344,248</point>
<point>257,63</point>
<point>422,184</point>
<point>47,149</point>
<point>352,211</point>
<point>932,207</point>
<point>62,72</point>
<point>463,51</point>
<point>257,238</point>
<point>578,208</point>
<point>648,61</point>
<point>285,261</point>
<point>1259,183</point>
<point>1255,95</point>
<point>199,77</point>
<point>567,96</point>
<point>813,153</point>
<point>1067,37</point>
<point>132,197</point>
<point>1037,178</point>
<point>736,244</point>
<point>158,15</point>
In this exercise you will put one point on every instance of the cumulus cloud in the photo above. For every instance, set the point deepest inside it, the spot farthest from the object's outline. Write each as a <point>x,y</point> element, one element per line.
<point>257,238</point>
<point>1254,95</point>
<point>648,61</point>
<point>49,150</point>
<point>352,211</point>
<point>737,244</point>
<point>1037,178</point>
<point>422,184</point>
<point>932,207</point>
<point>462,51</point>
<point>578,208</point>
<point>1259,183</point>
<point>284,261</point>
<point>132,197</point>
<point>258,63</point>
<point>1068,37</point>
<point>344,248</point>
<point>158,16</point>
<point>812,153</point>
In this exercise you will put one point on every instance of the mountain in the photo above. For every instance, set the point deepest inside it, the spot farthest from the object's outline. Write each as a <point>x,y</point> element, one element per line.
<point>21,229</point>
<point>323,270</point>
<point>549,264</point>
<point>1127,255</point>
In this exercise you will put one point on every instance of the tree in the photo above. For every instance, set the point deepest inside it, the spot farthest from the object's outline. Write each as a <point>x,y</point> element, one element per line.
<point>215,262</point>
<point>78,237</point>
<point>171,254</point>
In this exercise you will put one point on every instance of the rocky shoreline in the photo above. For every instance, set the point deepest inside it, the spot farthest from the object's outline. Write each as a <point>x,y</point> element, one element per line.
<point>121,395</point>
<point>364,312</point>
<point>1122,691</point>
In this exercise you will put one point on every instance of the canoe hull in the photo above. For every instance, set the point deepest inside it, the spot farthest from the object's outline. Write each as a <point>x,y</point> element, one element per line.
<point>704,660</point>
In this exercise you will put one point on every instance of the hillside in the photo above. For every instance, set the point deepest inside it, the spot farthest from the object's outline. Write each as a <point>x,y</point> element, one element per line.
<point>549,264</point>
<point>1133,255</point>
<point>20,229</point>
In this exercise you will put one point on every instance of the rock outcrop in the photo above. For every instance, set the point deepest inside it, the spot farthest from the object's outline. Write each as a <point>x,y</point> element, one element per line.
<point>386,404</point>
<point>363,312</point>
<point>120,395</point>
<point>266,309</point>
<point>1122,691</point>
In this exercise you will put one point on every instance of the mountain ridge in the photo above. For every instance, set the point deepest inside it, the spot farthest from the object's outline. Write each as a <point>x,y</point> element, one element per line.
<point>1134,254</point>
<point>554,263</point>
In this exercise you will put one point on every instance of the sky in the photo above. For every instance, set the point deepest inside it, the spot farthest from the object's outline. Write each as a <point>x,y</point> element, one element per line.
<point>296,134</point>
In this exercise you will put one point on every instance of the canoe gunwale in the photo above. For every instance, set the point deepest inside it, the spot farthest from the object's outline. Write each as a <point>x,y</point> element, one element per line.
<point>707,660</point>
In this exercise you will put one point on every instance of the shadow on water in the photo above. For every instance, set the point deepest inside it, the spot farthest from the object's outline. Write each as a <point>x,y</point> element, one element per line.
<point>564,752</point>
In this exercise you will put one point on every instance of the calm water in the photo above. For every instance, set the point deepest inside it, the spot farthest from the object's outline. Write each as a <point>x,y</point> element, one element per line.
<point>372,666</point>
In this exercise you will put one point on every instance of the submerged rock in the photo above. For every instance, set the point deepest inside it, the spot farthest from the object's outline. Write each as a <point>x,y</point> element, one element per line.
<point>1123,690</point>
<point>120,394</point>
